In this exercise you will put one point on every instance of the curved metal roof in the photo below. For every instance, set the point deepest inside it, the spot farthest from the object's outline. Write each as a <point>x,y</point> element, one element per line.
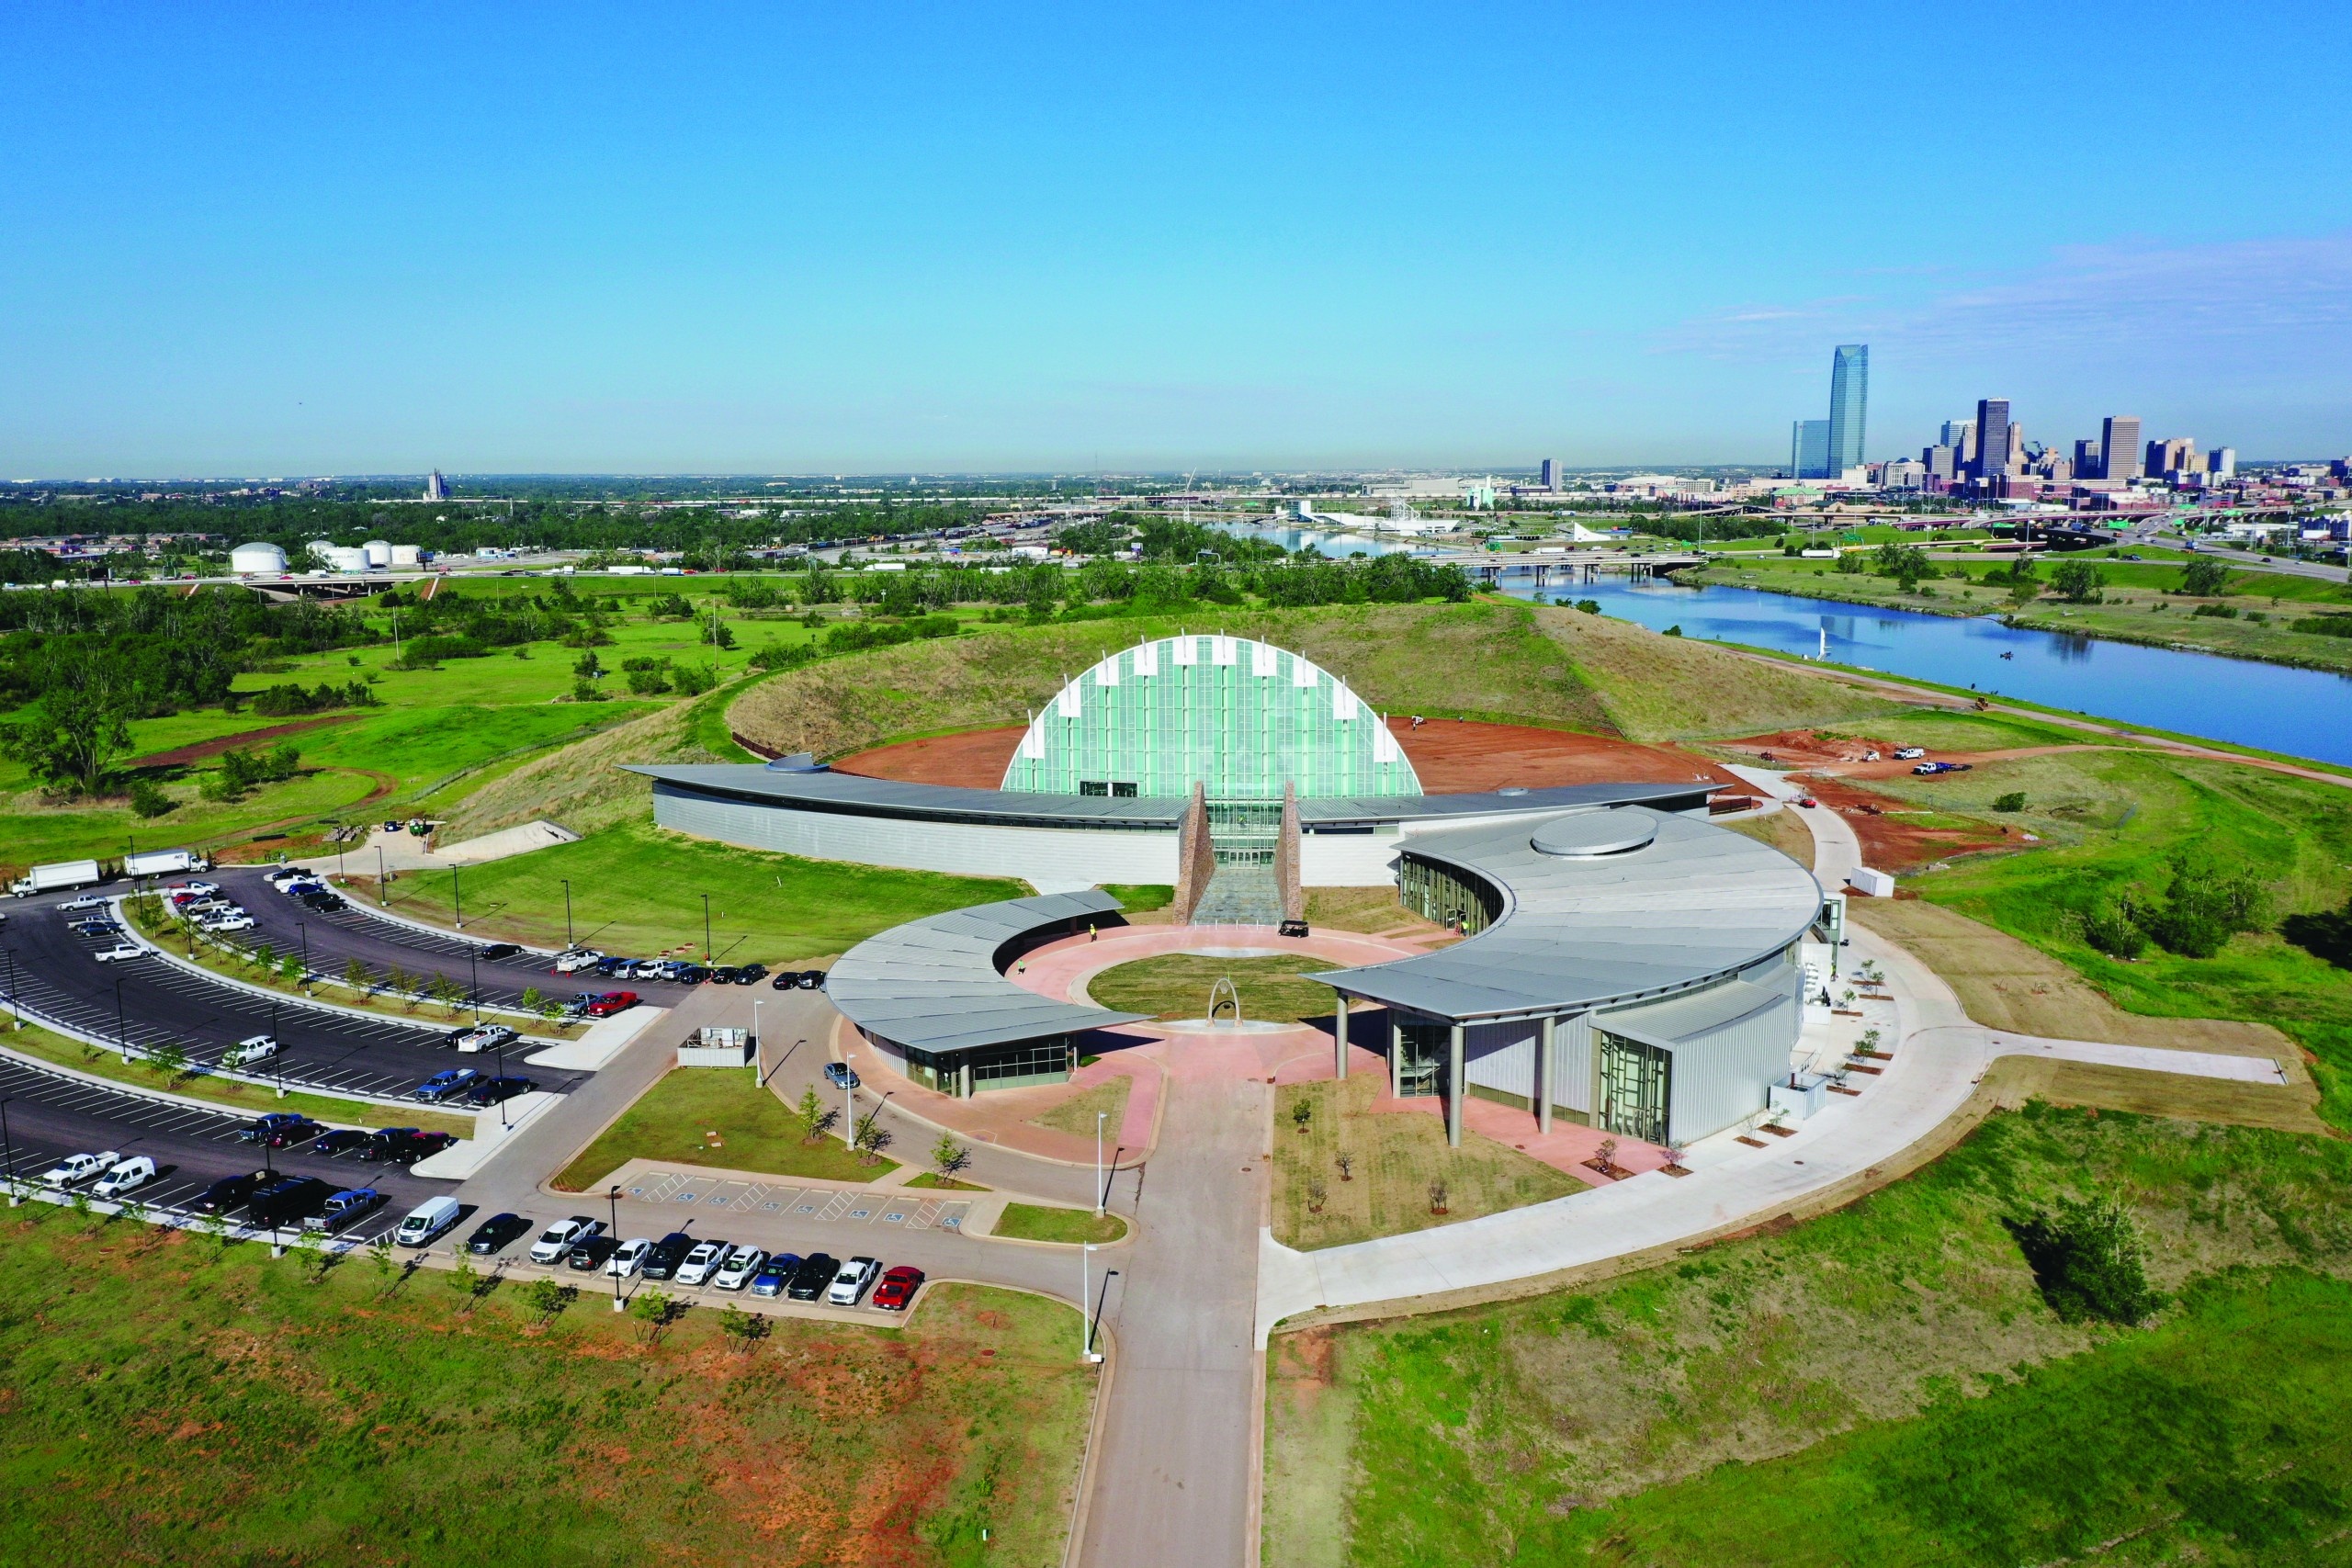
<point>1694,903</point>
<point>819,790</point>
<point>934,983</point>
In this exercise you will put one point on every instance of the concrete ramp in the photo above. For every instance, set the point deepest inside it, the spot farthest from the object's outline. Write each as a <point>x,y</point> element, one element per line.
<point>404,852</point>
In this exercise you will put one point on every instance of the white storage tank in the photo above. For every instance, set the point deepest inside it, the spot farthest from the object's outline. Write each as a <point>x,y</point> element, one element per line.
<point>257,561</point>
<point>339,557</point>
<point>375,554</point>
<point>408,556</point>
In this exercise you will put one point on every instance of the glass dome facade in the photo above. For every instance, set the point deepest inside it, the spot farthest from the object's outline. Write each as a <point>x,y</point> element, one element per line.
<point>1239,717</point>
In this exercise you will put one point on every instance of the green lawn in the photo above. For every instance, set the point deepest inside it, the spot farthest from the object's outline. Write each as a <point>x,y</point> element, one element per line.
<point>171,1403</point>
<point>1178,986</point>
<point>638,890</point>
<point>2112,818</point>
<point>713,1116</point>
<point>1883,1384</point>
<point>1034,1222</point>
<point>34,1041</point>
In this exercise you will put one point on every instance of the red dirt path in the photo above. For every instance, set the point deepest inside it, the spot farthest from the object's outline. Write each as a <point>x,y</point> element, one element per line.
<point>1452,756</point>
<point>180,756</point>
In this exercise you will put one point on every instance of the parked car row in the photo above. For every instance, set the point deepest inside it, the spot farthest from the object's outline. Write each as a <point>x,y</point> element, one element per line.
<point>305,887</point>
<point>116,1177</point>
<point>201,902</point>
<point>679,971</point>
<point>583,1243</point>
<point>396,1146</point>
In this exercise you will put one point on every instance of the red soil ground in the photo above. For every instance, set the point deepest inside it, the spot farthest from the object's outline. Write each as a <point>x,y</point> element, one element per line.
<point>1893,842</point>
<point>1452,756</point>
<point>180,756</point>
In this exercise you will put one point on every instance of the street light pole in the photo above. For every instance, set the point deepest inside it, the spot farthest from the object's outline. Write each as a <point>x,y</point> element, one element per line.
<point>305,931</point>
<point>1095,1321</point>
<point>17,1019</point>
<point>614,1196</point>
<point>567,941</point>
<point>8,1146</point>
<point>473,980</point>
<point>278,1053</point>
<point>501,1050</point>
<point>756,1075</point>
<point>458,898</point>
<point>383,887</point>
<point>1099,1197</point>
<point>706,927</point>
<point>121,1029</point>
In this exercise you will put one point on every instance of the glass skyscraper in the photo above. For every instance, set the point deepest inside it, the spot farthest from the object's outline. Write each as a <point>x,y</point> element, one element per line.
<point>1849,396</point>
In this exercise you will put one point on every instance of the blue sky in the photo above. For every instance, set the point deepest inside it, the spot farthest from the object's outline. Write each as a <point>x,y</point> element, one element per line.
<point>583,238</point>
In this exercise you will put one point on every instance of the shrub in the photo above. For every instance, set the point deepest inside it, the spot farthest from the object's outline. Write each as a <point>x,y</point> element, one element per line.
<point>1674,630</point>
<point>1590,606</point>
<point>2203,909</point>
<point>2222,611</point>
<point>2203,579</point>
<point>148,799</point>
<point>2327,624</point>
<point>2013,801</point>
<point>2112,930</point>
<point>2090,1261</point>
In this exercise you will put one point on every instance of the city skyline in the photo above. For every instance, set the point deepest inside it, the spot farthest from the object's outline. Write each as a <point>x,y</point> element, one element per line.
<point>1067,243</point>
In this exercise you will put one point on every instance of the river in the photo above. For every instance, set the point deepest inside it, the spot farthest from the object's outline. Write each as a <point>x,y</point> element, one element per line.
<point>2274,707</point>
<point>2303,713</point>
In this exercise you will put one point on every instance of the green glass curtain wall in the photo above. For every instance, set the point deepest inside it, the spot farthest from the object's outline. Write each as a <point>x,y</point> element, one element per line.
<point>1237,717</point>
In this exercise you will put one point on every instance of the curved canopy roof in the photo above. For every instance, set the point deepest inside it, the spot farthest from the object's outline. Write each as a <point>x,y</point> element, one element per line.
<point>1239,717</point>
<point>1690,903</point>
<point>934,983</point>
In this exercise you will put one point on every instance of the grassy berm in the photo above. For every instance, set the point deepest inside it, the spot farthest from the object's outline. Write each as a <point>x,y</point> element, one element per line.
<point>1883,1385</point>
<point>171,1403</point>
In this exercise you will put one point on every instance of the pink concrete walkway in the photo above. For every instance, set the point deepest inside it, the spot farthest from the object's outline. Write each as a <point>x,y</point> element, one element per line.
<point>1061,969</point>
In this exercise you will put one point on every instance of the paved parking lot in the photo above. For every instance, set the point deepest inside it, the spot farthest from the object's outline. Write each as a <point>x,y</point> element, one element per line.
<point>912,1211</point>
<point>50,1115</point>
<point>151,1002</point>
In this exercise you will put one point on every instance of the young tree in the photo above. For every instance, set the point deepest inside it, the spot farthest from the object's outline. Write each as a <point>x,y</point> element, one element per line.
<point>812,1115</point>
<point>652,1311</point>
<point>948,1156</point>
<point>2204,579</point>
<point>1316,1194</point>
<point>1301,1113</point>
<point>2077,581</point>
<point>355,975</point>
<point>1347,1164</point>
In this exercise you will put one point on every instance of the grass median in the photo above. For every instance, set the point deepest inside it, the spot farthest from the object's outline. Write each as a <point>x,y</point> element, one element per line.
<point>177,1401</point>
<point>716,1117</point>
<point>229,1093</point>
<point>1070,1227</point>
<point>1178,986</point>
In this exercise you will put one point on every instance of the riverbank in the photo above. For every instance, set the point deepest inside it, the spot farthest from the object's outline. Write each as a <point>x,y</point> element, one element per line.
<point>2255,619</point>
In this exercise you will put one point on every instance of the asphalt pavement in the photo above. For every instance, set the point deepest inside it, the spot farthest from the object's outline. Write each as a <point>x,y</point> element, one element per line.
<point>50,1115</point>
<point>151,1002</point>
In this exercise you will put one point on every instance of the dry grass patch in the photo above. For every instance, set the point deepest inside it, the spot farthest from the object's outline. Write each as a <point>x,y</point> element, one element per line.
<point>1662,688</point>
<point>582,787</point>
<point>1076,1114</point>
<point>2006,984</point>
<point>1475,661</point>
<point>1396,1155</point>
<point>1782,830</point>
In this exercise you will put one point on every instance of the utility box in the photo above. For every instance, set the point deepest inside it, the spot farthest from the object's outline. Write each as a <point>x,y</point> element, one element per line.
<point>712,1047</point>
<point>1799,1095</point>
<point>1870,884</point>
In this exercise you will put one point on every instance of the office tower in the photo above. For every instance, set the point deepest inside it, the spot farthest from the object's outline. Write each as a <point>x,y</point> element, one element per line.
<point>1960,435</point>
<point>2223,463</point>
<point>2176,455</point>
<point>1548,476</point>
<point>1850,398</point>
<point>1938,460</point>
<point>1992,438</point>
<point>2089,460</point>
<point>435,488</point>
<point>2119,445</point>
<point>1809,449</point>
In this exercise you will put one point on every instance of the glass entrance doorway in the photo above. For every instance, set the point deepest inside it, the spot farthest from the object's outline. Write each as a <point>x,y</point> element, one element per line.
<point>1420,1059</point>
<point>1243,832</point>
<point>1637,1081</point>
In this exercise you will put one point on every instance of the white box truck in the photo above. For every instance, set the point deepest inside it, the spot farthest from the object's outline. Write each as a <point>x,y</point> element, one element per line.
<point>57,877</point>
<point>163,863</point>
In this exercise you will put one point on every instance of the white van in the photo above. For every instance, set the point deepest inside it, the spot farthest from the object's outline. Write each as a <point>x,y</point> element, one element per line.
<point>426,1221</point>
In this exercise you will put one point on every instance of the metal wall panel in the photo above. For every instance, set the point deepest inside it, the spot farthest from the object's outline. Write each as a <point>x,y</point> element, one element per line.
<point>1725,1075</point>
<point>1348,860</point>
<point>1502,1055</point>
<point>1572,1061</point>
<point>1053,859</point>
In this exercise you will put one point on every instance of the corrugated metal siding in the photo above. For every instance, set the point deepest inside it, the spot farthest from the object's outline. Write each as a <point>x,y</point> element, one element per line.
<point>1348,860</point>
<point>1502,1055</point>
<point>1725,1074</point>
<point>1572,1060</point>
<point>1046,856</point>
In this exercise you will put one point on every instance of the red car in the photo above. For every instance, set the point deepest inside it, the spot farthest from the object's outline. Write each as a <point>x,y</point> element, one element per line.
<point>897,1287</point>
<point>611,1002</point>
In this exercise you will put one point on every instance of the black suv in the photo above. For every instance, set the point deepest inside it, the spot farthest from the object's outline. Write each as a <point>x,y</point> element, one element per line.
<point>814,1276</point>
<point>228,1192</point>
<point>591,1255</point>
<point>667,1254</point>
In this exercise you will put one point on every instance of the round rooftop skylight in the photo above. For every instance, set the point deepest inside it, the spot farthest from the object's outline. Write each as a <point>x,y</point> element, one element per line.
<point>1588,834</point>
